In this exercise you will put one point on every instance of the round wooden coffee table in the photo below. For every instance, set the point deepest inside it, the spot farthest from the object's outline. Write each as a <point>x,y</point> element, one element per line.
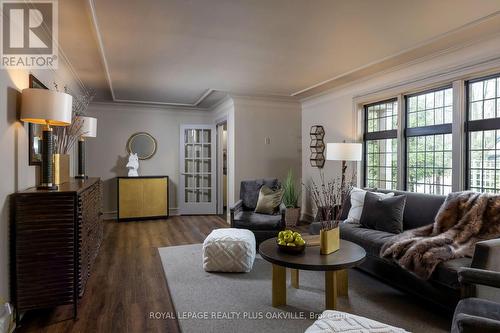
<point>334,265</point>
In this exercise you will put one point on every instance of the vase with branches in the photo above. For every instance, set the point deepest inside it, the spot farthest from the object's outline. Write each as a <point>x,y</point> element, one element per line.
<point>328,196</point>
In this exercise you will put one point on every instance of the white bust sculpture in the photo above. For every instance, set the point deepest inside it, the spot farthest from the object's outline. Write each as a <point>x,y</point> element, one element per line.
<point>133,165</point>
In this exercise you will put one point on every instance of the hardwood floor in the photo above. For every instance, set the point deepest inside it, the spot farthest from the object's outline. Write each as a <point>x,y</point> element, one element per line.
<point>127,281</point>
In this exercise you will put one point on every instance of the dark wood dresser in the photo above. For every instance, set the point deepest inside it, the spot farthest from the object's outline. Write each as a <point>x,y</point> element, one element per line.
<point>56,237</point>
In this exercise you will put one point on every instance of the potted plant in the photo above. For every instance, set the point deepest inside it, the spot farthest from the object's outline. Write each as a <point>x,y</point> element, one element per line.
<point>327,196</point>
<point>291,200</point>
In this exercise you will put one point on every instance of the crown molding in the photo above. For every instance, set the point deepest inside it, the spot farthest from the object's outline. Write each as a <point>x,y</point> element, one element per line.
<point>102,53</point>
<point>410,56</point>
<point>485,25</point>
<point>242,98</point>
<point>142,106</point>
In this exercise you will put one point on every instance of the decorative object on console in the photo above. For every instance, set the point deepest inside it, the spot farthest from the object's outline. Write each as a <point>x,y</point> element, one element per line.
<point>61,168</point>
<point>291,200</point>
<point>88,130</point>
<point>50,108</point>
<point>142,198</point>
<point>142,144</point>
<point>133,165</point>
<point>317,146</point>
<point>327,196</point>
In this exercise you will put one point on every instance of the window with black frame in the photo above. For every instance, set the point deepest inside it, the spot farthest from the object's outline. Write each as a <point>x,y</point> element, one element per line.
<point>380,139</point>
<point>483,134</point>
<point>429,141</point>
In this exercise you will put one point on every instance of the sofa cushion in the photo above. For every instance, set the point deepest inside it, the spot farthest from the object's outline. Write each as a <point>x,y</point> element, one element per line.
<point>447,272</point>
<point>357,203</point>
<point>414,216</point>
<point>249,191</point>
<point>257,221</point>
<point>269,200</point>
<point>384,214</point>
<point>371,240</point>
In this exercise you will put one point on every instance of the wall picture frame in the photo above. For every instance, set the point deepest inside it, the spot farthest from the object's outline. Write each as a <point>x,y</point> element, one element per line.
<point>35,130</point>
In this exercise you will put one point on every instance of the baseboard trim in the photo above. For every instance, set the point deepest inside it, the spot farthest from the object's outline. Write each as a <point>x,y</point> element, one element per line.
<point>113,215</point>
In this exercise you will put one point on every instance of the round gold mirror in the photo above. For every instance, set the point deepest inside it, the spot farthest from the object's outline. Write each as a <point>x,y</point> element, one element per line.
<point>142,144</point>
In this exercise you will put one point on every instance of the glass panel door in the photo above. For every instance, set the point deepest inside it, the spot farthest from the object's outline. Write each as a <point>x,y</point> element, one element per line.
<point>197,190</point>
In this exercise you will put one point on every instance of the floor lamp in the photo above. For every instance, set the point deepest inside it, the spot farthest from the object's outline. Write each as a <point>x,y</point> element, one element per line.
<point>88,130</point>
<point>49,108</point>
<point>344,152</point>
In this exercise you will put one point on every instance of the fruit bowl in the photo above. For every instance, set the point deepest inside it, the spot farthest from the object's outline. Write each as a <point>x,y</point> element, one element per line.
<point>290,242</point>
<point>292,249</point>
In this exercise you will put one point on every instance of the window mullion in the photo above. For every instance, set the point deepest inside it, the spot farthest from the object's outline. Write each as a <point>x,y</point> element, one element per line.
<point>401,175</point>
<point>458,137</point>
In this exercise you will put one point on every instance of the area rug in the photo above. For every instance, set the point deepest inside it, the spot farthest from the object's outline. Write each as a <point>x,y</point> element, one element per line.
<point>241,302</point>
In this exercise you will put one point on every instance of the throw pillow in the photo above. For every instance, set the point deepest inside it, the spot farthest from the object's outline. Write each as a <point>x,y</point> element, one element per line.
<point>357,201</point>
<point>383,214</point>
<point>269,200</point>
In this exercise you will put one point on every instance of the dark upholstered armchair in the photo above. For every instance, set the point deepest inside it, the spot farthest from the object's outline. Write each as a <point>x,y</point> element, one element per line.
<point>263,226</point>
<point>475,314</point>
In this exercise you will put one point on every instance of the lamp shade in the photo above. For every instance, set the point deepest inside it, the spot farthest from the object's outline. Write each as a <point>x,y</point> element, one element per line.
<point>89,127</point>
<point>43,106</point>
<point>344,151</point>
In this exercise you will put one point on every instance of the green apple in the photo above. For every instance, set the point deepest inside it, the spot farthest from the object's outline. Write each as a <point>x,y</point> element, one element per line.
<point>299,241</point>
<point>288,238</point>
<point>281,234</point>
<point>281,242</point>
<point>296,234</point>
<point>290,244</point>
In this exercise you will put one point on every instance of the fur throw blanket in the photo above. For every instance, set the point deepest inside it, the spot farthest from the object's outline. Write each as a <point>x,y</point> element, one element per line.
<point>464,219</point>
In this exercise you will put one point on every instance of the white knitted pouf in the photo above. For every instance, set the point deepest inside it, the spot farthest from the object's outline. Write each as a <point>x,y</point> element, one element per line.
<point>229,250</point>
<point>336,321</point>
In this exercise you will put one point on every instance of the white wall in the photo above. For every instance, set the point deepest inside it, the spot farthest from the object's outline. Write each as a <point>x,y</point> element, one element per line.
<point>255,120</point>
<point>107,154</point>
<point>16,173</point>
<point>338,110</point>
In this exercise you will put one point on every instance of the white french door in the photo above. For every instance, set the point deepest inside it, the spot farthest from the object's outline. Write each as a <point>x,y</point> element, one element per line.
<point>197,183</point>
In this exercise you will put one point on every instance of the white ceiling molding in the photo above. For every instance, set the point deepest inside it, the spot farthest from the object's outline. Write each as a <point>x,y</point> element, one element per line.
<point>102,52</point>
<point>195,104</point>
<point>95,24</point>
<point>451,41</point>
<point>321,87</point>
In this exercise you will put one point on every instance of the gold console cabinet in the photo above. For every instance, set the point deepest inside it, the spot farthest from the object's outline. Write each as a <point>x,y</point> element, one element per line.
<point>142,198</point>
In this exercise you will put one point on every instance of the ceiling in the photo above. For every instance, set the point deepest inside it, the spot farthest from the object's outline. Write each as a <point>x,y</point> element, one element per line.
<point>192,52</point>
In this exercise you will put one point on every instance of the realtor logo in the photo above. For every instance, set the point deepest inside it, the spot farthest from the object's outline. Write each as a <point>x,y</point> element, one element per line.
<point>29,34</point>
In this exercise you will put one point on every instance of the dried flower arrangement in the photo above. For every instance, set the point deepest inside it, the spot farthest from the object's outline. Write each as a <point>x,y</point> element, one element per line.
<point>328,196</point>
<point>65,137</point>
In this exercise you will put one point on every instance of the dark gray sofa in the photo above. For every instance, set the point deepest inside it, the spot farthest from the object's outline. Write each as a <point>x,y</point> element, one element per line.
<point>443,288</point>
<point>263,226</point>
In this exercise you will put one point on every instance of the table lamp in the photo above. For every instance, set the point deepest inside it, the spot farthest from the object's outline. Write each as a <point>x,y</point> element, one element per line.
<point>88,130</point>
<point>48,108</point>
<point>344,152</point>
